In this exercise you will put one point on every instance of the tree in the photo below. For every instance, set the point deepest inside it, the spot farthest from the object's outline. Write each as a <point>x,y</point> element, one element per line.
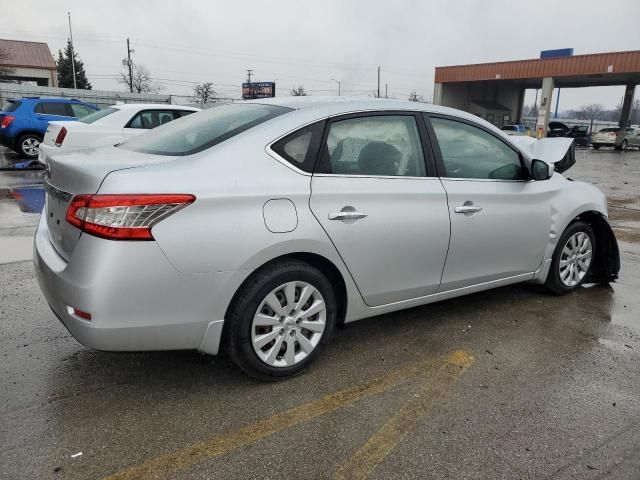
<point>204,93</point>
<point>4,69</point>
<point>588,112</point>
<point>65,70</point>
<point>530,111</point>
<point>298,91</point>
<point>142,81</point>
<point>414,97</point>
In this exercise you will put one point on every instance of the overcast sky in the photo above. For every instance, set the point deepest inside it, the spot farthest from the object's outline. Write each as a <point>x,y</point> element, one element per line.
<point>310,42</point>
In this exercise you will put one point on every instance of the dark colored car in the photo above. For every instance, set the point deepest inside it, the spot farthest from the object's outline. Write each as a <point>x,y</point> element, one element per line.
<point>23,121</point>
<point>579,132</point>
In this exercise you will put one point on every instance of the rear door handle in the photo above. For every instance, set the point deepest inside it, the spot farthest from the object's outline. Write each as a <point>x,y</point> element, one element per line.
<point>468,209</point>
<point>347,215</point>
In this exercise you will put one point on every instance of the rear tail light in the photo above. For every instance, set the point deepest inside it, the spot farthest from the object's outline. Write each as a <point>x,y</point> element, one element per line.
<point>123,217</point>
<point>60,138</point>
<point>6,121</point>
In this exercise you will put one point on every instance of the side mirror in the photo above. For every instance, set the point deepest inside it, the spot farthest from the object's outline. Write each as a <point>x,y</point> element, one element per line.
<point>540,170</point>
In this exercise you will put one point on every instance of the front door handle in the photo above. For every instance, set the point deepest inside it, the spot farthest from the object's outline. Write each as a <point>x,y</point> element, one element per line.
<point>347,215</point>
<point>468,209</point>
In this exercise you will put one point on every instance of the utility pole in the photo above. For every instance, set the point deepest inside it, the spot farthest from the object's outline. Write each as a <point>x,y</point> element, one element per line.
<point>378,82</point>
<point>130,65</point>
<point>249,72</point>
<point>338,82</point>
<point>386,85</point>
<point>73,55</point>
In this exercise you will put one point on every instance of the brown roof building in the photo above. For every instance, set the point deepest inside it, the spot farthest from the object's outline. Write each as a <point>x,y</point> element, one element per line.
<point>495,91</point>
<point>29,62</point>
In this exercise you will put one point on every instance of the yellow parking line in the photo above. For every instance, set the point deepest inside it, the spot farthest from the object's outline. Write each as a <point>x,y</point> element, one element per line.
<point>365,460</point>
<point>161,466</point>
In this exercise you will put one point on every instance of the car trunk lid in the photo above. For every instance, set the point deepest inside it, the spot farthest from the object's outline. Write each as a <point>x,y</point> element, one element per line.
<point>82,172</point>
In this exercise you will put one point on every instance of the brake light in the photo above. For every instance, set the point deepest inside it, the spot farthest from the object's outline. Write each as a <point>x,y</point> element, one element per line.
<point>6,121</point>
<point>123,217</point>
<point>60,138</point>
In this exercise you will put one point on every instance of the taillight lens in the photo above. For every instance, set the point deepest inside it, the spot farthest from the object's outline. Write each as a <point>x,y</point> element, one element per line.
<point>60,138</point>
<point>123,217</point>
<point>6,121</point>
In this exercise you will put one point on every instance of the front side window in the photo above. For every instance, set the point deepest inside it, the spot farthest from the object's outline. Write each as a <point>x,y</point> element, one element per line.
<point>385,145</point>
<point>470,152</point>
<point>300,148</point>
<point>80,110</point>
<point>52,108</point>
<point>195,133</point>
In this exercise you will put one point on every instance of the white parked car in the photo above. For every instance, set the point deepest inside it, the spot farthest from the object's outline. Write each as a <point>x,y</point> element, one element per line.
<point>109,126</point>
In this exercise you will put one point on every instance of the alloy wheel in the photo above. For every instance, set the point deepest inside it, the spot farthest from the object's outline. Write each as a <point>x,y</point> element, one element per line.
<point>288,324</point>
<point>30,146</point>
<point>575,259</point>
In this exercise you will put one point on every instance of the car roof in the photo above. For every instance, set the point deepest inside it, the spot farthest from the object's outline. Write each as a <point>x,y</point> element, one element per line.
<point>342,105</point>
<point>151,106</point>
<point>47,99</point>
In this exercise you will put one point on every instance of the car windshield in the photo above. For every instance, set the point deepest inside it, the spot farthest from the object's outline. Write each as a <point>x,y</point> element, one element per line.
<point>202,130</point>
<point>92,117</point>
<point>11,106</point>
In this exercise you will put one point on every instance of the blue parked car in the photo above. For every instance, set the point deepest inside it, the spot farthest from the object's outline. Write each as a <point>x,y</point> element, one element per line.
<point>23,121</point>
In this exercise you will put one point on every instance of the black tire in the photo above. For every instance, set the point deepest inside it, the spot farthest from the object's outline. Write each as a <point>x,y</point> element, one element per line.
<point>596,147</point>
<point>554,284</point>
<point>238,324</point>
<point>623,145</point>
<point>22,147</point>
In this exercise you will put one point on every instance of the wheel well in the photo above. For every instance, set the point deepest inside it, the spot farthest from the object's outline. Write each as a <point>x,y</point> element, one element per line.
<point>321,263</point>
<point>607,255</point>
<point>29,132</point>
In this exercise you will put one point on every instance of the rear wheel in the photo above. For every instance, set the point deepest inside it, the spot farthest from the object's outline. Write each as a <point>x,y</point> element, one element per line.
<point>596,147</point>
<point>281,320</point>
<point>28,145</point>
<point>623,145</point>
<point>572,258</point>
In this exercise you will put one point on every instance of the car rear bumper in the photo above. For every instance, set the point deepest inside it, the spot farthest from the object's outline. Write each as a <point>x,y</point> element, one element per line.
<point>43,151</point>
<point>603,141</point>
<point>136,299</point>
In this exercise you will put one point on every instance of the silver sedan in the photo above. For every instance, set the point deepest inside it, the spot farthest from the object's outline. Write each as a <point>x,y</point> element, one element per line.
<point>258,227</point>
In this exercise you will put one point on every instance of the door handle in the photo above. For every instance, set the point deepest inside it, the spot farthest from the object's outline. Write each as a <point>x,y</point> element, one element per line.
<point>348,215</point>
<point>468,209</point>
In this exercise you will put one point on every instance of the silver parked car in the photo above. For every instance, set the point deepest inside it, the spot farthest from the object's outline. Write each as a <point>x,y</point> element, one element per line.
<point>258,227</point>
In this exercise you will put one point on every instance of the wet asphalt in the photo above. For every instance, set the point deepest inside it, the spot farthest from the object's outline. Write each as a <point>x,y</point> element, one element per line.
<point>548,387</point>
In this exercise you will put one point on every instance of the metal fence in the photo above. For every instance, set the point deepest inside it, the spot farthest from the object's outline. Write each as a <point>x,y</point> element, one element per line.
<point>570,122</point>
<point>101,98</point>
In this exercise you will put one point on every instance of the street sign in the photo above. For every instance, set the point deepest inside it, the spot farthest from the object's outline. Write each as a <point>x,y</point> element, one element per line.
<point>258,90</point>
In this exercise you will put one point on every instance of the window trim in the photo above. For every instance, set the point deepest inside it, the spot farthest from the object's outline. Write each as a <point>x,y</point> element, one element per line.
<point>273,153</point>
<point>427,154</point>
<point>440,166</point>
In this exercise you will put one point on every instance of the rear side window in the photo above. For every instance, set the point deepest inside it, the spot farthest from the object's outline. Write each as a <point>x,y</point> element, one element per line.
<point>385,145</point>
<point>52,108</point>
<point>95,116</point>
<point>182,113</point>
<point>11,106</point>
<point>301,147</point>
<point>204,130</point>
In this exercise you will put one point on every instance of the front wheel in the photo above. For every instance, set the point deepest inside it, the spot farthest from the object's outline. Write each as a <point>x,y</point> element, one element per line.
<point>623,145</point>
<point>572,258</point>
<point>281,320</point>
<point>596,147</point>
<point>28,145</point>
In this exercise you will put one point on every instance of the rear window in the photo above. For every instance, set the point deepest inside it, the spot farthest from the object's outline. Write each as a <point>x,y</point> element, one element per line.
<point>610,130</point>
<point>510,128</point>
<point>11,106</point>
<point>199,132</point>
<point>92,117</point>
